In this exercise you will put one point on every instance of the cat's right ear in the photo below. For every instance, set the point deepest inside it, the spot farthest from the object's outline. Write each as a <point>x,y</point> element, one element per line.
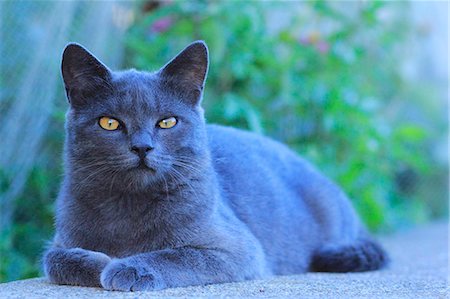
<point>84,75</point>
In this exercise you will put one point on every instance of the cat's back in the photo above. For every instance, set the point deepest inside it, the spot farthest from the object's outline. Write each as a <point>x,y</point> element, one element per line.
<point>247,154</point>
<point>246,146</point>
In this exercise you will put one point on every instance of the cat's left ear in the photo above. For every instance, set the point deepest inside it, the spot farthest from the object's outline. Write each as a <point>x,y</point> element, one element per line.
<point>186,73</point>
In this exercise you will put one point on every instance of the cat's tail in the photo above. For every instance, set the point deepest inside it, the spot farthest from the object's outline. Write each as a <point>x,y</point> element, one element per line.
<point>363,255</point>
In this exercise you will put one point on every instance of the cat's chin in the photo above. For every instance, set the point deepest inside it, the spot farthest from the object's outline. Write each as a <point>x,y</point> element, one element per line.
<point>141,178</point>
<point>138,180</point>
<point>145,168</point>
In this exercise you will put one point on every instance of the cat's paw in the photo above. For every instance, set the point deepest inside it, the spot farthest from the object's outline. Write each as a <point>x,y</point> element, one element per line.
<point>120,275</point>
<point>99,257</point>
<point>74,266</point>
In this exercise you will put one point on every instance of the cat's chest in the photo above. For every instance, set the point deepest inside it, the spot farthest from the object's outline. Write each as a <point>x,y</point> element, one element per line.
<point>120,230</point>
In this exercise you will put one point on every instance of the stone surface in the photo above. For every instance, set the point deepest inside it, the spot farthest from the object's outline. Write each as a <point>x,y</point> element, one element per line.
<point>419,269</point>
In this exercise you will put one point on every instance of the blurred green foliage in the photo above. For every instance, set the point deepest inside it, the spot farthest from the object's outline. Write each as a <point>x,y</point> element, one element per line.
<point>21,246</point>
<point>318,76</point>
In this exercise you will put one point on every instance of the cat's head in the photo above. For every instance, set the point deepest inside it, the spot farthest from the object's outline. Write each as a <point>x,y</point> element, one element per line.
<point>132,129</point>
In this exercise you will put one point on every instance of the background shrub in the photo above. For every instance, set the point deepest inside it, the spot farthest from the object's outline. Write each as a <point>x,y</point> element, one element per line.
<point>328,90</point>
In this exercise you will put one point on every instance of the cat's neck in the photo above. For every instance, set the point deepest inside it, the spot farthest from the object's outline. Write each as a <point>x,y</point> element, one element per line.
<point>184,195</point>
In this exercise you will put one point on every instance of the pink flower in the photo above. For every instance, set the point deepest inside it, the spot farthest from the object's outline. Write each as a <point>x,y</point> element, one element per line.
<point>315,39</point>
<point>311,38</point>
<point>162,24</point>
<point>322,46</point>
<point>304,40</point>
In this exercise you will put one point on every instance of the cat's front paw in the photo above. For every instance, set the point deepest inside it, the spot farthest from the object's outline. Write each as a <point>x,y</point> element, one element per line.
<point>121,275</point>
<point>74,266</point>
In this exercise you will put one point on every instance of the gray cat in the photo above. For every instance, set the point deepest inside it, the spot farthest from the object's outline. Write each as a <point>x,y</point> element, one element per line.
<point>154,198</point>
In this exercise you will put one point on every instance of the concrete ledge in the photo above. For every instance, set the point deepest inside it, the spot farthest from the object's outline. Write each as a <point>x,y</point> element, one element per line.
<point>419,269</point>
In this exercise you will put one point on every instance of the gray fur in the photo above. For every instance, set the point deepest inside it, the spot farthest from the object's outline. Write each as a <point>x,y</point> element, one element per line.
<point>213,205</point>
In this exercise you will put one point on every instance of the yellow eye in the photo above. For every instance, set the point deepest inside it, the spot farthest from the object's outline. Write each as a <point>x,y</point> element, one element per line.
<point>167,123</point>
<point>109,123</point>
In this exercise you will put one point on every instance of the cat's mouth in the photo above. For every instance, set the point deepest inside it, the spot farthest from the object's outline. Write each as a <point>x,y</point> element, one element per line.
<point>143,165</point>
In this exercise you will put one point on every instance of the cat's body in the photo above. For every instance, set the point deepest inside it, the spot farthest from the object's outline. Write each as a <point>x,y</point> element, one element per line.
<point>276,208</point>
<point>212,204</point>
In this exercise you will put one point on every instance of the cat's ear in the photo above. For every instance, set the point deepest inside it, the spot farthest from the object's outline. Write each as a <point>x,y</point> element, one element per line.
<point>84,75</point>
<point>187,72</point>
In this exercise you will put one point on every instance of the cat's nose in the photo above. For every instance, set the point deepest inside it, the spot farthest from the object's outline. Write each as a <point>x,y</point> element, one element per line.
<point>141,150</point>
